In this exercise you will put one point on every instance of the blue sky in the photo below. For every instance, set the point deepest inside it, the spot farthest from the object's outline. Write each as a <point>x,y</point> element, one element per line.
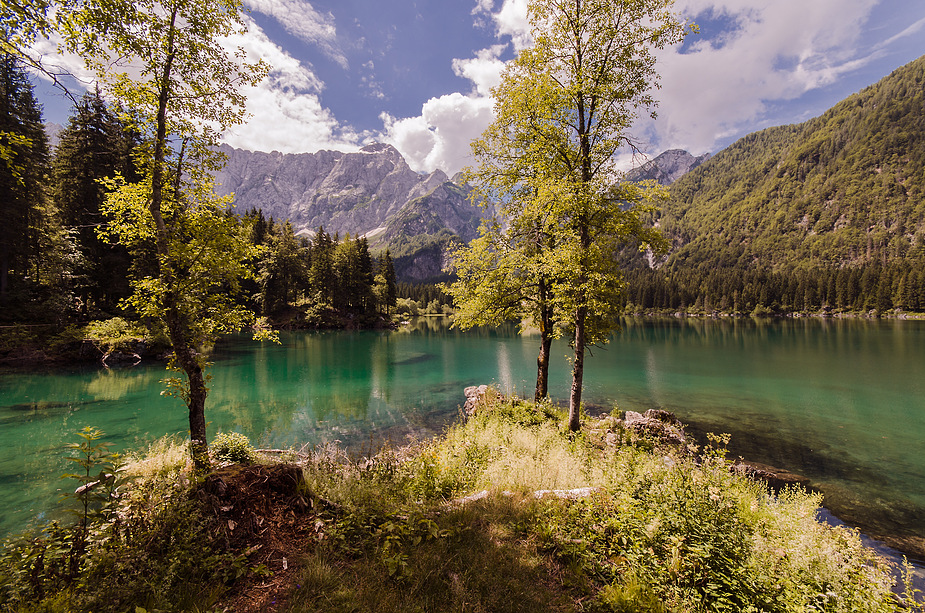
<point>417,73</point>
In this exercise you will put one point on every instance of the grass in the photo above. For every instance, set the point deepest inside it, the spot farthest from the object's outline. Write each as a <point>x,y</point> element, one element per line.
<point>662,529</point>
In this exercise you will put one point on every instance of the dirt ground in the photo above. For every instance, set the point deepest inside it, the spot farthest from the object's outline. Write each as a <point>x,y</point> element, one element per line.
<point>266,512</point>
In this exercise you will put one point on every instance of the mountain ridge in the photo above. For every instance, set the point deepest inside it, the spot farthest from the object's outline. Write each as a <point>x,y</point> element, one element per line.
<point>844,188</point>
<point>372,193</point>
<point>356,192</point>
<point>667,167</point>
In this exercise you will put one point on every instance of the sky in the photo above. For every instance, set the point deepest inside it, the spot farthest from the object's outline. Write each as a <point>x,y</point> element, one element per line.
<point>418,73</point>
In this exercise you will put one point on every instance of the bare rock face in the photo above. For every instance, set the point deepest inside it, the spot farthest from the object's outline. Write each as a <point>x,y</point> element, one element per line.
<point>372,192</point>
<point>667,167</point>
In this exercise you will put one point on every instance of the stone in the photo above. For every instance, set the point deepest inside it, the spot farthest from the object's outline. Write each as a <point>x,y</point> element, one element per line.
<point>658,425</point>
<point>474,396</point>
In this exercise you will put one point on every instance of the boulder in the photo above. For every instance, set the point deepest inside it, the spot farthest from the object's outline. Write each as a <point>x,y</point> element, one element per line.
<point>657,425</point>
<point>475,394</point>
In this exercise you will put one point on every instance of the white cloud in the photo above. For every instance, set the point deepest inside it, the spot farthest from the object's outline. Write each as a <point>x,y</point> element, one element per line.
<point>484,70</point>
<point>300,19</point>
<point>440,136</point>
<point>510,20</point>
<point>773,51</point>
<point>285,110</point>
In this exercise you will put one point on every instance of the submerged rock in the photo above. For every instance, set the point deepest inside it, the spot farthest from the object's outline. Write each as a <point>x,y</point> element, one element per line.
<point>776,478</point>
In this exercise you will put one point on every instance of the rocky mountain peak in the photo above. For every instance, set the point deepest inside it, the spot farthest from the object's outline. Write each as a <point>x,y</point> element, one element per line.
<point>667,167</point>
<point>381,148</point>
<point>371,192</point>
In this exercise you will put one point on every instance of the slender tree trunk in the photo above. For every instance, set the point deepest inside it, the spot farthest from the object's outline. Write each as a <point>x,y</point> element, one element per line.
<point>542,361</point>
<point>542,367</point>
<point>184,353</point>
<point>578,371</point>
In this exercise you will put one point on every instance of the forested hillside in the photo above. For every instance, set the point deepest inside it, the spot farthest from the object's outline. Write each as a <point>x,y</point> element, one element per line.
<point>846,188</point>
<point>828,213</point>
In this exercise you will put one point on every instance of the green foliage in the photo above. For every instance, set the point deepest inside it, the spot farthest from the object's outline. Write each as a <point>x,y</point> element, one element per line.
<point>328,282</point>
<point>233,447</point>
<point>898,286</point>
<point>114,334</point>
<point>842,190</point>
<point>94,145</point>
<point>547,162</point>
<point>27,228</point>
<point>145,544</point>
<point>660,532</point>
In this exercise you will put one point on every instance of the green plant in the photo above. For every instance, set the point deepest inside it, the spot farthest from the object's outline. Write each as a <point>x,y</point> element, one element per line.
<point>97,492</point>
<point>233,447</point>
<point>114,334</point>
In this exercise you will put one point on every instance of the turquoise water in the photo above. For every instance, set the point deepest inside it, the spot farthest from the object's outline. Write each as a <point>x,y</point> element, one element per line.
<point>841,401</point>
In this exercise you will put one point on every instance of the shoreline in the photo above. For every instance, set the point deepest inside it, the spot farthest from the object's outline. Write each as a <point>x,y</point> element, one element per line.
<point>85,351</point>
<point>433,425</point>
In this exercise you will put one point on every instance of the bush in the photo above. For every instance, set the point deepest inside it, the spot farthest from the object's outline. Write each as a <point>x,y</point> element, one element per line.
<point>233,447</point>
<point>407,306</point>
<point>114,334</point>
<point>156,550</point>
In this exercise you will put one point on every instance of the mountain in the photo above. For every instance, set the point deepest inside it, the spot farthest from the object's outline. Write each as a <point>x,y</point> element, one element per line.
<point>53,131</point>
<point>844,189</point>
<point>372,192</point>
<point>667,167</point>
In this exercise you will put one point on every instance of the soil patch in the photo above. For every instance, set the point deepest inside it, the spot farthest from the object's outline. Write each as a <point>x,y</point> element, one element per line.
<point>268,513</point>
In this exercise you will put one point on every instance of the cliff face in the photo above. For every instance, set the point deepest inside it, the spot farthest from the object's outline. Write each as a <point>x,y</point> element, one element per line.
<point>372,192</point>
<point>667,167</point>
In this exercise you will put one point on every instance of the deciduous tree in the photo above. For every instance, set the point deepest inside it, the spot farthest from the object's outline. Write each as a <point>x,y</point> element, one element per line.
<point>168,61</point>
<point>563,109</point>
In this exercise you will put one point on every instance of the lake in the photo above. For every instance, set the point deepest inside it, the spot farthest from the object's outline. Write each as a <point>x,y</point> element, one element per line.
<point>840,401</point>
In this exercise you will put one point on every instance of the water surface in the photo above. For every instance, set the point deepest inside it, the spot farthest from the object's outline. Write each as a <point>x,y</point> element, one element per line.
<point>841,401</point>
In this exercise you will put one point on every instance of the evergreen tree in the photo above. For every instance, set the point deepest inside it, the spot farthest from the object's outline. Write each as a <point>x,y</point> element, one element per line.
<point>24,219</point>
<point>282,271</point>
<point>385,289</point>
<point>322,279</point>
<point>93,146</point>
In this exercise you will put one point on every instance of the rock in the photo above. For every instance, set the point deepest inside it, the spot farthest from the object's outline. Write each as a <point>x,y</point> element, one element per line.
<point>631,417</point>
<point>475,394</point>
<point>660,426</point>
<point>581,492</point>
<point>667,167</point>
<point>776,478</point>
<point>372,192</point>
<point>666,417</point>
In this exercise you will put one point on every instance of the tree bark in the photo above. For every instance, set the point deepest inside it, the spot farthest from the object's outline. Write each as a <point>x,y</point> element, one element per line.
<point>578,371</point>
<point>177,328</point>
<point>542,361</point>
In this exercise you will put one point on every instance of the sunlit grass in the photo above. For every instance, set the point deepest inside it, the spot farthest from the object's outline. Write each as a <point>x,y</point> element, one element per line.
<point>662,529</point>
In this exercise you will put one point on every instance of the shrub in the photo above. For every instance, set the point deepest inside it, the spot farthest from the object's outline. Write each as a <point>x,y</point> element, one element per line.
<point>114,334</point>
<point>233,447</point>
